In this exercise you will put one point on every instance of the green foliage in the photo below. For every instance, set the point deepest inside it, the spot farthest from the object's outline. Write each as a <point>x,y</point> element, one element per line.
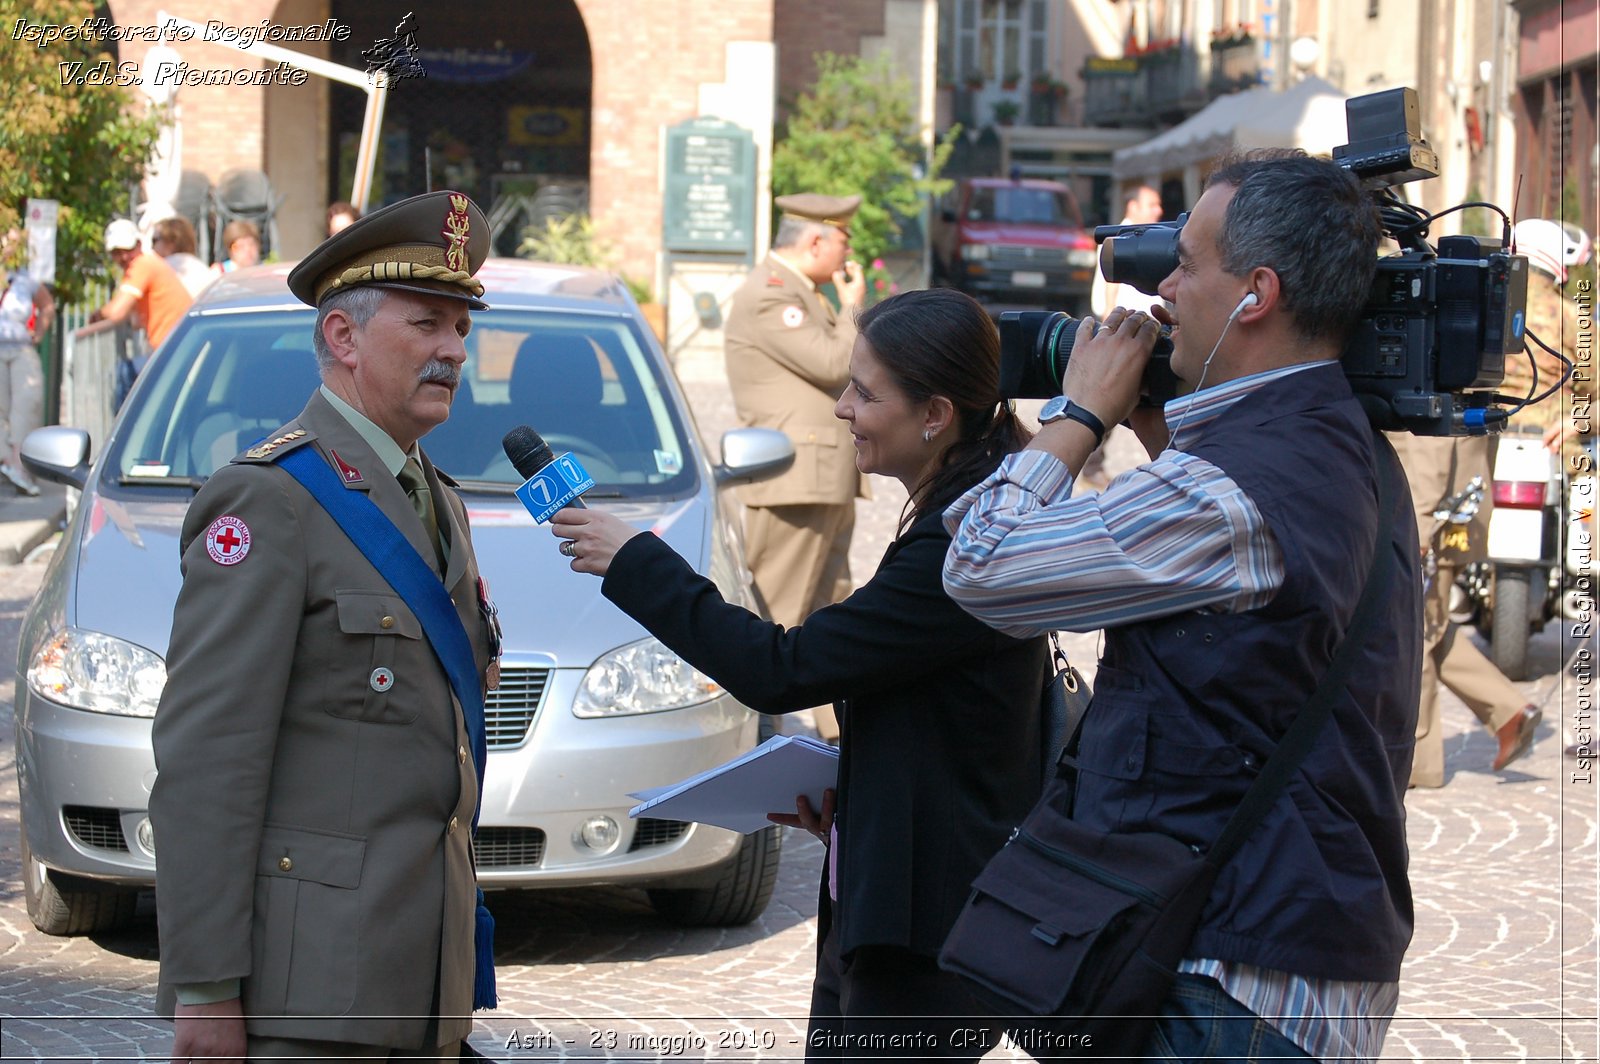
<point>80,144</point>
<point>854,133</point>
<point>571,240</point>
<point>640,290</point>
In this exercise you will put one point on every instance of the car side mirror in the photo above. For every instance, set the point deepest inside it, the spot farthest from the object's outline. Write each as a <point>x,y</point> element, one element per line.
<point>753,454</point>
<point>58,454</point>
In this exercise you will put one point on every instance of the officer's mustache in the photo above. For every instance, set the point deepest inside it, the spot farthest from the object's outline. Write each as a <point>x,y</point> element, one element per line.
<point>440,372</point>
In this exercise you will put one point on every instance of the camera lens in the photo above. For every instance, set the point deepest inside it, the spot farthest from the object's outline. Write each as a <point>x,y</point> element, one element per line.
<point>1035,346</point>
<point>1142,257</point>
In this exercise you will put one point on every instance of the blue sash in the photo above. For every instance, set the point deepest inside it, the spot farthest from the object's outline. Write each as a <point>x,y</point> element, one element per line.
<point>398,562</point>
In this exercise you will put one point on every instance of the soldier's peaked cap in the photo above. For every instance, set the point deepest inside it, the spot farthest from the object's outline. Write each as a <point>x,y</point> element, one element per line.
<point>815,207</point>
<point>432,244</point>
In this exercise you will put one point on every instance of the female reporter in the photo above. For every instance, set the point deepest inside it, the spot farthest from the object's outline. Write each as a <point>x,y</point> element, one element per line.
<point>939,714</point>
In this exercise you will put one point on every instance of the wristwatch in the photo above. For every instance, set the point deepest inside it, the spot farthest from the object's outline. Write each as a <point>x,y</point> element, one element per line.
<point>1063,409</point>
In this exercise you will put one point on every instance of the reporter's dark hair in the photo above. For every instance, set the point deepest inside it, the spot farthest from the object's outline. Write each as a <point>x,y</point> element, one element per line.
<point>1309,221</point>
<point>938,341</point>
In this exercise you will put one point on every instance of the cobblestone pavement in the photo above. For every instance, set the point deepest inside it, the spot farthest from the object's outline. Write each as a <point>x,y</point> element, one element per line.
<point>1502,968</point>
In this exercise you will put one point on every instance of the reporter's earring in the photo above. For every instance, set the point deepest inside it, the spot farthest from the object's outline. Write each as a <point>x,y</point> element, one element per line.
<point>927,435</point>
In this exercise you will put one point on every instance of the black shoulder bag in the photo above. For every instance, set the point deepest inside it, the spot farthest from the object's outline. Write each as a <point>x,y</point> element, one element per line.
<point>1075,934</point>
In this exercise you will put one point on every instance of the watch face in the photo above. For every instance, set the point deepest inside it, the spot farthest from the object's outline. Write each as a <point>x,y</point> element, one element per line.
<point>1051,410</point>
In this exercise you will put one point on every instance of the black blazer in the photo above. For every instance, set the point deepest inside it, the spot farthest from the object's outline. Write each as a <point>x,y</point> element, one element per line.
<point>939,720</point>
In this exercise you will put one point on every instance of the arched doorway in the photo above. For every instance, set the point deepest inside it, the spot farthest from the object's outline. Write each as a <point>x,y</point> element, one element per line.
<point>503,113</point>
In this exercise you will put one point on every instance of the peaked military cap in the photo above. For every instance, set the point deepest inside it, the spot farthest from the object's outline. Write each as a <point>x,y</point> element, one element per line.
<point>432,243</point>
<point>815,207</point>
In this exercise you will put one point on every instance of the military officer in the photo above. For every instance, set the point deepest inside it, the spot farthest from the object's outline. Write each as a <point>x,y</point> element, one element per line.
<point>788,356</point>
<point>1437,469</point>
<point>317,776</point>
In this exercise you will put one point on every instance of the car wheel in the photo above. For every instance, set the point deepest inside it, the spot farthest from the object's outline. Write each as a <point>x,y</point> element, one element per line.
<point>65,905</point>
<point>740,893</point>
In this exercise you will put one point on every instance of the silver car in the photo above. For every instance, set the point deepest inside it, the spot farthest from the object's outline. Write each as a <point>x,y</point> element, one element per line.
<point>589,706</point>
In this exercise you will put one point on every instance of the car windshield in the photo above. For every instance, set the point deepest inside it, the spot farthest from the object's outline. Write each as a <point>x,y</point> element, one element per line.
<point>1027,206</point>
<point>587,383</point>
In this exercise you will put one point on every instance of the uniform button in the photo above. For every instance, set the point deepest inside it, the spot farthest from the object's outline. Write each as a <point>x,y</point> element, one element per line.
<point>453,824</point>
<point>286,865</point>
<point>387,622</point>
<point>461,755</point>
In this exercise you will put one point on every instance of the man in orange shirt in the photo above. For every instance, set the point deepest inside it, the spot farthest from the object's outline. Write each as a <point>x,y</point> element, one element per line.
<point>148,285</point>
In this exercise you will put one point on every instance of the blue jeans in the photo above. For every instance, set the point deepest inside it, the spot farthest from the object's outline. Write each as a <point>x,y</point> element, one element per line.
<point>1200,1022</point>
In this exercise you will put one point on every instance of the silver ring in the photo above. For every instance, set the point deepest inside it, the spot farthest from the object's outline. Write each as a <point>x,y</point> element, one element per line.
<point>569,548</point>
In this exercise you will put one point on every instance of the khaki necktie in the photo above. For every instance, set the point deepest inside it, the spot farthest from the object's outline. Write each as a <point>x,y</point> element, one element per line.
<point>416,486</point>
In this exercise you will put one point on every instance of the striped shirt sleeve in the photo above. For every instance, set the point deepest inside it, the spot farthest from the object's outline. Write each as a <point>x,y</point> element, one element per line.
<point>1028,556</point>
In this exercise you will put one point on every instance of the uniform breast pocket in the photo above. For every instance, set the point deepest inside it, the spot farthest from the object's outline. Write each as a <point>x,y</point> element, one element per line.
<point>382,644</point>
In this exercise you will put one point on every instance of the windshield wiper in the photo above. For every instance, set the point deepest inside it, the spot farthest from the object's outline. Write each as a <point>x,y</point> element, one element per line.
<point>193,483</point>
<point>498,487</point>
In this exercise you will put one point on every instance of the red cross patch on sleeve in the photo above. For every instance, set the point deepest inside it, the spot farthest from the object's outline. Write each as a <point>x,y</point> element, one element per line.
<point>228,540</point>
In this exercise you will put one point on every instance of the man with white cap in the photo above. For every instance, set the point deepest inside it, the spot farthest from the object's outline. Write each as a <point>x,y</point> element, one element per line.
<point>149,286</point>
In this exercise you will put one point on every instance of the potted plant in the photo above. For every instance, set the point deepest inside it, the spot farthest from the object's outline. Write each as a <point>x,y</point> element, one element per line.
<point>975,81</point>
<point>1012,79</point>
<point>1006,111</point>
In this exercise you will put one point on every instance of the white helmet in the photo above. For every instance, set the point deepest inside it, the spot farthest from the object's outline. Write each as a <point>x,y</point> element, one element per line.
<point>1550,246</point>
<point>1578,246</point>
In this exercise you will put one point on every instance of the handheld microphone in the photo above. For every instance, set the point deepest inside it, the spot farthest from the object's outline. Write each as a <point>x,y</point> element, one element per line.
<point>551,481</point>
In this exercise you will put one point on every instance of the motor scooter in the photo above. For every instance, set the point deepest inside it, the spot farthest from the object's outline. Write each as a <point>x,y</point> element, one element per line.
<point>1518,589</point>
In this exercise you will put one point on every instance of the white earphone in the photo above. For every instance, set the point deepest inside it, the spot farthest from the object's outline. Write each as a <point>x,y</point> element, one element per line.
<point>1249,300</point>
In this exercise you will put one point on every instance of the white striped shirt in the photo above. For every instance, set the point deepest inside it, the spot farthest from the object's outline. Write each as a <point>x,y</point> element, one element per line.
<point>1173,535</point>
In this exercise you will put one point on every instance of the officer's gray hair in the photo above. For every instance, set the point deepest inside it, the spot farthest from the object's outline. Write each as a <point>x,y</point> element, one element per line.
<point>360,303</point>
<point>793,231</point>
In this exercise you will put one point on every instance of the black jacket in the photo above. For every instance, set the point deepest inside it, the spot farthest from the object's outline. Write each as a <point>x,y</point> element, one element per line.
<point>939,718</point>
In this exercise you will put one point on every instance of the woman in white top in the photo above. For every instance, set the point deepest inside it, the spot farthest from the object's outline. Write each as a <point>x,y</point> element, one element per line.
<point>26,312</point>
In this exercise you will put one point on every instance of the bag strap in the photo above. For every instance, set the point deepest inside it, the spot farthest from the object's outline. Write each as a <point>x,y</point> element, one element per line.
<point>1296,742</point>
<point>1059,662</point>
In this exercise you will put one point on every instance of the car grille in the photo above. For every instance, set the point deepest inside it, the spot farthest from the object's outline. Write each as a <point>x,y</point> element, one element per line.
<point>100,829</point>
<point>509,710</point>
<point>1010,257</point>
<point>649,832</point>
<point>508,847</point>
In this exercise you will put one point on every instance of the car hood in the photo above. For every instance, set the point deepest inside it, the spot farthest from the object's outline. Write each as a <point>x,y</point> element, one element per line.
<point>1034,235</point>
<point>127,573</point>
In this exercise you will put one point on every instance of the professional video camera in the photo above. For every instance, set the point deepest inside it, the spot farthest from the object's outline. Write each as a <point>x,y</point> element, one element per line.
<point>1431,346</point>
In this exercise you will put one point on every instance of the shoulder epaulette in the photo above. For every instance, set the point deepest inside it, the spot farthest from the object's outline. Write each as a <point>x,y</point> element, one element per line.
<point>275,448</point>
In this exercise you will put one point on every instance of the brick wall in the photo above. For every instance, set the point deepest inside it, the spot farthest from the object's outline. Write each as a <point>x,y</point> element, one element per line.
<point>649,65</point>
<point>802,28</point>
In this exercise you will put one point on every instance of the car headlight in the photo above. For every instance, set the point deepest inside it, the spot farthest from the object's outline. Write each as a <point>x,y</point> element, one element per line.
<point>975,252</point>
<point>1082,257</point>
<point>97,672</point>
<point>642,677</point>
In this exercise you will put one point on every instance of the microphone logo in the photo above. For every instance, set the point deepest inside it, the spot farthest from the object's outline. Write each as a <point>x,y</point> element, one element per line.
<point>553,481</point>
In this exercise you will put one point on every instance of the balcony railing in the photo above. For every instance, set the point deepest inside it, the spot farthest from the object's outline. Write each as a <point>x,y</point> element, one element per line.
<point>1235,64</point>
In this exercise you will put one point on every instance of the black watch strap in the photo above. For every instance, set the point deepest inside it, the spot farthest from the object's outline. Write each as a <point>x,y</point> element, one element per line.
<point>1073,412</point>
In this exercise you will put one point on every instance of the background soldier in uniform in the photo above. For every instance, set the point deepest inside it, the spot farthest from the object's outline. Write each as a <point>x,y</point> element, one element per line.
<point>788,358</point>
<point>317,782</point>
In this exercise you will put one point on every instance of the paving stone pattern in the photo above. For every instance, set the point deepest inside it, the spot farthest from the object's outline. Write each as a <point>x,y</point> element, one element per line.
<point>1502,967</point>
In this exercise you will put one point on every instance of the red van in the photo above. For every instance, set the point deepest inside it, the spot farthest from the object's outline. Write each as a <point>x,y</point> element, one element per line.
<point>1015,242</point>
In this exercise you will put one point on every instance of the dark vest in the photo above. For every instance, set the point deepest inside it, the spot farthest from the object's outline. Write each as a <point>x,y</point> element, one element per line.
<point>1188,707</point>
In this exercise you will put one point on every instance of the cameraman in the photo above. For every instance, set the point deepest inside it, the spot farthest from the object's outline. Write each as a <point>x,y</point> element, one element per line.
<point>1224,573</point>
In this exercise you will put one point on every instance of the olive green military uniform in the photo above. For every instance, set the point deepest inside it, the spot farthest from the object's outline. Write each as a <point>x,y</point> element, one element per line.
<point>316,786</point>
<point>1437,469</point>
<point>1553,317</point>
<point>788,358</point>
